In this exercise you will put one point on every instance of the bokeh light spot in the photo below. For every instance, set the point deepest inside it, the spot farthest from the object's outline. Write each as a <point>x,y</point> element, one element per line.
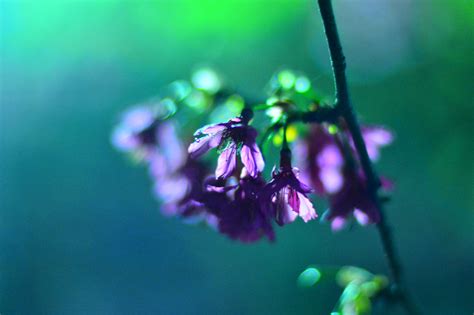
<point>302,84</point>
<point>309,277</point>
<point>206,79</point>
<point>286,79</point>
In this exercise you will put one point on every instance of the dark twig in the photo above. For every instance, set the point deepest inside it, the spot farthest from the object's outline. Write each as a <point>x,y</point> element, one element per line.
<point>343,103</point>
<point>322,114</point>
<point>270,131</point>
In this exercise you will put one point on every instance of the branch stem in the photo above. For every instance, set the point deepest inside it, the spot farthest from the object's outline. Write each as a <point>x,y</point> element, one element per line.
<point>343,103</point>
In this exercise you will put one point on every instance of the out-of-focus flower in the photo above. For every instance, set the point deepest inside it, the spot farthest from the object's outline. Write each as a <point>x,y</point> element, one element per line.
<point>231,137</point>
<point>375,138</point>
<point>244,218</point>
<point>321,158</point>
<point>135,129</point>
<point>142,131</point>
<point>353,199</point>
<point>184,194</point>
<point>285,195</point>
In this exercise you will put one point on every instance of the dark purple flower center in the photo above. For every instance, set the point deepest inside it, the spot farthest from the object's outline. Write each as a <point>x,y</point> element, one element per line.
<point>237,133</point>
<point>148,136</point>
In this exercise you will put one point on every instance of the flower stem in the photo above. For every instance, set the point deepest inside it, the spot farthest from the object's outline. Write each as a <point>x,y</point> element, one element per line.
<point>343,103</point>
<point>285,139</point>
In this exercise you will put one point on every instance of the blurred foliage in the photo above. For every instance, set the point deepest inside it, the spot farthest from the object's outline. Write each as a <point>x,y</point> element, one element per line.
<point>360,287</point>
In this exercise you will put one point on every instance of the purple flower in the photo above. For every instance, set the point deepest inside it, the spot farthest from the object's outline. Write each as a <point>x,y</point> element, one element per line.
<point>375,138</point>
<point>244,218</point>
<point>321,158</point>
<point>352,199</point>
<point>318,166</point>
<point>134,129</point>
<point>185,194</point>
<point>232,138</point>
<point>285,195</point>
<point>144,133</point>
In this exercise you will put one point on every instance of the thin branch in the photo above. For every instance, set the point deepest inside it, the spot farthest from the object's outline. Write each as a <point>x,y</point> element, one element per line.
<point>320,115</point>
<point>343,102</point>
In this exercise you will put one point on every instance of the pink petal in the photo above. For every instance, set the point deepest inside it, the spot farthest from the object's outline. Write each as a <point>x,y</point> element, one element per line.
<point>294,200</point>
<point>307,211</point>
<point>169,209</point>
<point>199,147</point>
<point>210,129</point>
<point>332,179</point>
<point>284,214</point>
<point>338,224</point>
<point>378,136</point>
<point>171,190</point>
<point>302,186</point>
<point>124,140</point>
<point>387,184</point>
<point>157,167</point>
<point>226,162</point>
<point>258,158</point>
<point>172,147</point>
<point>252,159</point>
<point>212,221</point>
<point>204,144</point>
<point>138,118</point>
<point>330,156</point>
<point>375,138</point>
<point>373,151</point>
<point>361,217</point>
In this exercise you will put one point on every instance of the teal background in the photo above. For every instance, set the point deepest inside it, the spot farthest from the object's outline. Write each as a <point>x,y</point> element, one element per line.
<point>80,232</point>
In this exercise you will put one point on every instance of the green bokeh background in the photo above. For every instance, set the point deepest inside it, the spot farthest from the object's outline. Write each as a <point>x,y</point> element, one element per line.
<point>80,232</point>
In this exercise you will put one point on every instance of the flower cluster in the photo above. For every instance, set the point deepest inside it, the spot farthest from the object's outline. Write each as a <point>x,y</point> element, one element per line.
<point>230,193</point>
<point>177,178</point>
<point>247,213</point>
<point>288,195</point>
<point>233,137</point>
<point>322,159</point>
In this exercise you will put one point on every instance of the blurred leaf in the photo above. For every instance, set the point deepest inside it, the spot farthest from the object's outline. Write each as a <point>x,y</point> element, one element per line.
<point>309,277</point>
<point>350,274</point>
<point>354,301</point>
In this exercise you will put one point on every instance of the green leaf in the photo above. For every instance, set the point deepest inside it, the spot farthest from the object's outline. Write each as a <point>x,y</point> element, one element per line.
<point>350,274</point>
<point>309,277</point>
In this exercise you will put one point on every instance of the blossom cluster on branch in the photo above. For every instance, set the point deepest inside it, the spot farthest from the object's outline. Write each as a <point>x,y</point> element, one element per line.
<point>219,176</point>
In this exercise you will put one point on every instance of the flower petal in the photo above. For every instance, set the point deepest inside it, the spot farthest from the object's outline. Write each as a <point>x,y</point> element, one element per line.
<point>338,223</point>
<point>171,146</point>
<point>210,129</point>
<point>157,167</point>
<point>226,162</point>
<point>375,138</point>
<point>377,135</point>
<point>172,190</point>
<point>361,217</point>
<point>283,212</point>
<point>138,118</point>
<point>332,179</point>
<point>124,140</point>
<point>199,147</point>
<point>294,200</point>
<point>204,144</point>
<point>330,156</point>
<point>296,183</point>
<point>252,159</point>
<point>307,211</point>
